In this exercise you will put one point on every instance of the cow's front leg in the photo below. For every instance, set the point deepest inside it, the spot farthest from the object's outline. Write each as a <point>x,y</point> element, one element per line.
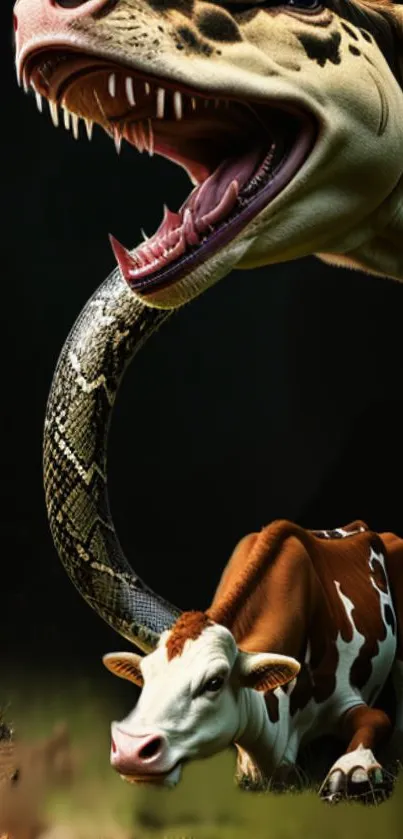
<point>357,774</point>
<point>286,778</point>
<point>248,775</point>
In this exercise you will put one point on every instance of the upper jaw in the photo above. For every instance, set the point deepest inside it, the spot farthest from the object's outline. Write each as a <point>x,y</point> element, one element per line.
<point>140,107</point>
<point>196,130</point>
<point>200,75</point>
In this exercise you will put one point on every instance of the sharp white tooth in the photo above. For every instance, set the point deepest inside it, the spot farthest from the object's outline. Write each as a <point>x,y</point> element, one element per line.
<point>144,131</point>
<point>25,81</point>
<point>144,235</point>
<point>130,91</point>
<point>54,113</point>
<point>88,127</point>
<point>150,138</point>
<point>160,103</point>
<point>66,118</point>
<point>143,136</point>
<point>18,72</point>
<point>148,253</point>
<point>38,98</point>
<point>75,120</point>
<point>194,103</point>
<point>112,85</point>
<point>178,104</point>
<point>118,140</point>
<point>147,88</point>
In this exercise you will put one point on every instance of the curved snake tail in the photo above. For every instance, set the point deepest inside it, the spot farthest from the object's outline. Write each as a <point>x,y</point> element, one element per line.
<point>112,327</point>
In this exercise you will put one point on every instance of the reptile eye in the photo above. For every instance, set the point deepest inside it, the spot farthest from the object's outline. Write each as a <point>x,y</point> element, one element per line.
<point>213,685</point>
<point>310,5</point>
<point>69,4</point>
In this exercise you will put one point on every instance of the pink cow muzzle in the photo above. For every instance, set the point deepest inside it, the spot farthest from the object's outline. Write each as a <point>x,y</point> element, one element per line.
<point>139,757</point>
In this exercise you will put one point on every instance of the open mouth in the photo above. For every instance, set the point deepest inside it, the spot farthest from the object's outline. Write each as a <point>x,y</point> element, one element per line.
<point>239,155</point>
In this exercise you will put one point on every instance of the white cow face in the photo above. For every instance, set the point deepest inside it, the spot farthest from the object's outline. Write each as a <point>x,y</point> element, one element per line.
<point>191,705</point>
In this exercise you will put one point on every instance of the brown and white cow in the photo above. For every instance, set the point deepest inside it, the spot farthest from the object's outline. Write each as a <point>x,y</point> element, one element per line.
<point>327,599</point>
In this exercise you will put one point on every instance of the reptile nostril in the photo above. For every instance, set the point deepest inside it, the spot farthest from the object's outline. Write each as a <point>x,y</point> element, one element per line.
<point>15,22</point>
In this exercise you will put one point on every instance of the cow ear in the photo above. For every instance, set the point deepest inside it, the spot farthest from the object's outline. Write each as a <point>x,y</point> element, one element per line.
<point>266,671</point>
<point>126,666</point>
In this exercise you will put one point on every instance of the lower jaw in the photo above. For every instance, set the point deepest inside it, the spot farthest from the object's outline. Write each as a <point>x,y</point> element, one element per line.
<point>166,286</point>
<point>168,779</point>
<point>143,779</point>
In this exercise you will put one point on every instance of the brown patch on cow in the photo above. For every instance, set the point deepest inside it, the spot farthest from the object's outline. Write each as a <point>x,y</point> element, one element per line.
<point>272,705</point>
<point>357,583</point>
<point>394,567</point>
<point>187,628</point>
<point>365,727</point>
<point>279,593</point>
<point>361,668</point>
<point>303,690</point>
<point>372,624</point>
<point>348,564</point>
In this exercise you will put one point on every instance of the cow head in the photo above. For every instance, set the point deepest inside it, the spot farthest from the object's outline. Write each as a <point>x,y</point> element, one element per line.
<point>192,702</point>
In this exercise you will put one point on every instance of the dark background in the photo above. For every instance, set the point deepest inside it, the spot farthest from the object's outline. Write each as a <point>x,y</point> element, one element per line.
<point>276,394</point>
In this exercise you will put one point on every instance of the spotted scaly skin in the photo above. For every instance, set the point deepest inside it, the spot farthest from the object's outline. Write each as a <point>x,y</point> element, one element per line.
<point>113,326</point>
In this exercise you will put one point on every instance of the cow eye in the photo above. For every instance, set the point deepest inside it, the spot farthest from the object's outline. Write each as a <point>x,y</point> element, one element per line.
<point>213,685</point>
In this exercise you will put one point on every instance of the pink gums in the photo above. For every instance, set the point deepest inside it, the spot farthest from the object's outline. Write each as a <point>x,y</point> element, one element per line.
<point>208,205</point>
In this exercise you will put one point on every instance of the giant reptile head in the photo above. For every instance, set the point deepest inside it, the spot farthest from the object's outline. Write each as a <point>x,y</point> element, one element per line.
<point>287,116</point>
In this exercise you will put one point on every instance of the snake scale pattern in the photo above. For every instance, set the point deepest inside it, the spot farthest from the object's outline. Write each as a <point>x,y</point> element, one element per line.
<point>112,327</point>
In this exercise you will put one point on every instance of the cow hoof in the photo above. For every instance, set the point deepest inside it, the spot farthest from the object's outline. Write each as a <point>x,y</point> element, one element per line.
<point>357,776</point>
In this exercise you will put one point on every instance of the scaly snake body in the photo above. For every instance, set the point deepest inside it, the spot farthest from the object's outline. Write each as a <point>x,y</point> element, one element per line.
<point>113,325</point>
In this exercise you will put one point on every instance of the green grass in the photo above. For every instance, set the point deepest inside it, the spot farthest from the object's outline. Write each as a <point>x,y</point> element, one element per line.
<point>205,805</point>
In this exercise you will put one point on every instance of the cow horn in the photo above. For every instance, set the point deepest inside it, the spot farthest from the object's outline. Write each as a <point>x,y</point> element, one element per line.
<point>113,325</point>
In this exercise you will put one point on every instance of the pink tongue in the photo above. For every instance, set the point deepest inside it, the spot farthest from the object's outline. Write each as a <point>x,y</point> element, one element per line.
<point>203,199</point>
<point>208,204</point>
